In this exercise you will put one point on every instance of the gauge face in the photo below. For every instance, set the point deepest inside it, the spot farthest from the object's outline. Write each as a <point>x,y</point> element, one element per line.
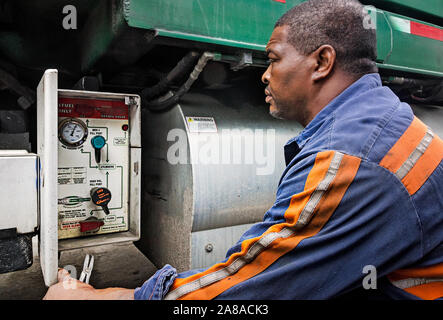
<point>72,132</point>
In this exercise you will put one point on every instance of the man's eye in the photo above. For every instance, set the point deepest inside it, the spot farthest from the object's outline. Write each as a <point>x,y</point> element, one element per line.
<point>270,61</point>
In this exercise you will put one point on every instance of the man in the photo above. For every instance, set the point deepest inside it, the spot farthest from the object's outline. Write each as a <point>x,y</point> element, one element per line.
<point>362,191</point>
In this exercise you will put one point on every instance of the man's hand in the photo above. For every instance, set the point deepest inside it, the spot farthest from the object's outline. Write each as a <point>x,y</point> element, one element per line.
<point>69,288</point>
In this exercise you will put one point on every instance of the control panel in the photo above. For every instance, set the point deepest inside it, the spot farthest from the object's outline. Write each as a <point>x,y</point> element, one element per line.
<point>89,179</point>
<point>93,166</point>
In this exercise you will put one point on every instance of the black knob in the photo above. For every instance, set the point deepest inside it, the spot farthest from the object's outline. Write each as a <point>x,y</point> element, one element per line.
<point>101,197</point>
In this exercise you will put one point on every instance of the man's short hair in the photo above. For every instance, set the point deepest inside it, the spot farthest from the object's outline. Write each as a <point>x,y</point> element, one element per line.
<point>339,23</point>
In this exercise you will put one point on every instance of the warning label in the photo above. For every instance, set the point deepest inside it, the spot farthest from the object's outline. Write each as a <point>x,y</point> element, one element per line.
<point>201,124</point>
<point>68,226</point>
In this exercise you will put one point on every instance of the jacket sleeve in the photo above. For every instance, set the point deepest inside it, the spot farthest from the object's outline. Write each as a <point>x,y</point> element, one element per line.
<point>335,215</point>
<point>157,286</point>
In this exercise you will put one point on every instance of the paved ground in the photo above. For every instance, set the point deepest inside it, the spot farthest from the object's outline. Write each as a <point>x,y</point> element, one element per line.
<point>116,265</point>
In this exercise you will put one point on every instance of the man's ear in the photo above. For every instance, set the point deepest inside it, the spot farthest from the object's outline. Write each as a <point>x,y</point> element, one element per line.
<point>325,57</point>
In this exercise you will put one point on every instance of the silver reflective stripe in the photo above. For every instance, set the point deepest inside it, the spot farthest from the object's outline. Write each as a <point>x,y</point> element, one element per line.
<point>415,155</point>
<point>266,240</point>
<point>412,282</point>
<point>236,265</point>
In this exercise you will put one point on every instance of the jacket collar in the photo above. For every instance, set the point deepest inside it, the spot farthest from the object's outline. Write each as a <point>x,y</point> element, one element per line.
<point>294,145</point>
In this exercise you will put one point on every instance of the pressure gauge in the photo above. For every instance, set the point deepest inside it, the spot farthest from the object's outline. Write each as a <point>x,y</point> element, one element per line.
<point>72,132</point>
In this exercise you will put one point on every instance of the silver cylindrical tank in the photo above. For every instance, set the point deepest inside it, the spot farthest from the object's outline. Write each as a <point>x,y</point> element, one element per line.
<point>210,167</point>
<point>432,116</point>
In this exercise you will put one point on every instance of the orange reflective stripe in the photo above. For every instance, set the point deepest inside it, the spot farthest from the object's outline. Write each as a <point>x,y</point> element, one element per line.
<point>414,156</point>
<point>428,291</point>
<point>404,146</point>
<point>425,283</point>
<point>435,271</point>
<point>424,167</point>
<point>318,172</point>
<point>323,203</point>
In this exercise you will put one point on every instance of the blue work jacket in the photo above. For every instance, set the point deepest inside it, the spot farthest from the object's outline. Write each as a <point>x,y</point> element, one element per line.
<point>359,207</point>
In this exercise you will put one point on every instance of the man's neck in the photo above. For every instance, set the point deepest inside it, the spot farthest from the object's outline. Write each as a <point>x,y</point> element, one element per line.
<point>328,90</point>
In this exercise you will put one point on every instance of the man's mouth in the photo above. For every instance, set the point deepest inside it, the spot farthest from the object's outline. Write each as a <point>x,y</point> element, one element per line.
<point>268,96</point>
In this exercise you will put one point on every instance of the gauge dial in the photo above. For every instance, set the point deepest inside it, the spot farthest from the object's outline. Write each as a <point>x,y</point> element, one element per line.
<point>72,132</point>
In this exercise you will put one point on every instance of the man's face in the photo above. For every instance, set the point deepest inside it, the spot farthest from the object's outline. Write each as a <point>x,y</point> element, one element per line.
<point>287,79</point>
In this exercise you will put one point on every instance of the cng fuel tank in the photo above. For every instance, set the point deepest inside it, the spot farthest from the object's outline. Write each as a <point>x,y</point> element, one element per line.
<point>210,169</point>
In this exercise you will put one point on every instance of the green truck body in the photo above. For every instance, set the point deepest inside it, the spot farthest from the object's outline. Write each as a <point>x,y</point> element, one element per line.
<point>409,40</point>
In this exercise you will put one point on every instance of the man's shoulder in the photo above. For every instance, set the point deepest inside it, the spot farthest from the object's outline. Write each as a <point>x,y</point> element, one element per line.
<point>319,162</point>
<point>369,126</point>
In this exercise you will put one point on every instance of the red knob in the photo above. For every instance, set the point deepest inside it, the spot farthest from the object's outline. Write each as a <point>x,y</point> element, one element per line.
<point>90,225</point>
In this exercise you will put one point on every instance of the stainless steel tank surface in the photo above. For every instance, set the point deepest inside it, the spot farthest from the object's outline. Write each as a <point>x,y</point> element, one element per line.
<point>432,116</point>
<point>210,169</point>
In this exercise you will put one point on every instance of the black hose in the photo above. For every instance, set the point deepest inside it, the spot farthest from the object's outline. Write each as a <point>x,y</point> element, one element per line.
<point>435,94</point>
<point>410,82</point>
<point>420,90</point>
<point>27,97</point>
<point>181,67</point>
<point>169,99</point>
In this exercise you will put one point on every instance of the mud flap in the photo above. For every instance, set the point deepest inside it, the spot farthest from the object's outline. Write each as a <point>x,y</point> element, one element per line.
<point>15,251</point>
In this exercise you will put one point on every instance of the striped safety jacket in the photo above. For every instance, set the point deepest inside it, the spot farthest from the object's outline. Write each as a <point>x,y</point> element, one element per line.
<point>362,193</point>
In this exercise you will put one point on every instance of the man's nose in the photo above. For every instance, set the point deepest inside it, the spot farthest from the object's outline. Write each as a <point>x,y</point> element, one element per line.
<point>265,77</point>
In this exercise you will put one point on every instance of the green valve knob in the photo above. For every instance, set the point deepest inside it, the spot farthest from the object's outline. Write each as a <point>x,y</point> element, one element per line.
<point>98,142</point>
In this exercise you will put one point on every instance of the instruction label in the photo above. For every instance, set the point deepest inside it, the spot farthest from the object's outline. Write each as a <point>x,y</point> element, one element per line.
<point>108,166</point>
<point>95,182</point>
<point>72,175</point>
<point>72,213</point>
<point>120,141</point>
